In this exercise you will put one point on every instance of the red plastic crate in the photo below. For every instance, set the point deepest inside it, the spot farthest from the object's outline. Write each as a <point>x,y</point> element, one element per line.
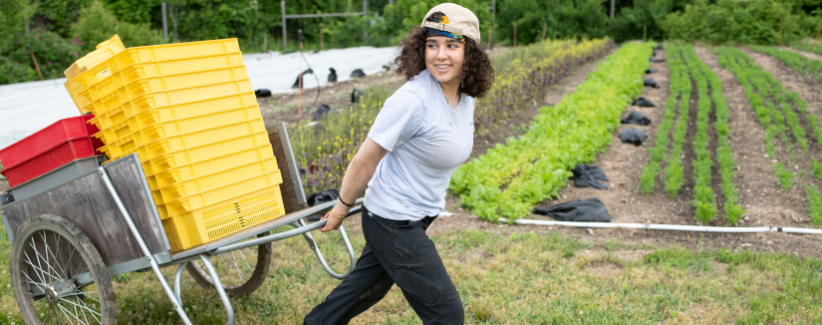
<point>58,156</point>
<point>48,139</point>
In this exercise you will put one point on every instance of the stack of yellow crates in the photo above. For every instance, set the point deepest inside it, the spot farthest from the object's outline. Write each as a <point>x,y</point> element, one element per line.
<point>188,110</point>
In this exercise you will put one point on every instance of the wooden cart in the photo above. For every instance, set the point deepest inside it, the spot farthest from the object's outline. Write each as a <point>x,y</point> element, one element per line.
<point>70,239</point>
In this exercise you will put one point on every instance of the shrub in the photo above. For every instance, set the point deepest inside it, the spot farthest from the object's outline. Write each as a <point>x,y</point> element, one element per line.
<point>733,21</point>
<point>14,72</point>
<point>54,54</point>
<point>96,24</point>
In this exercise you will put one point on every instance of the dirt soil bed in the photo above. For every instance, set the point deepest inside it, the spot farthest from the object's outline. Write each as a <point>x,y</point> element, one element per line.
<point>808,55</point>
<point>759,191</point>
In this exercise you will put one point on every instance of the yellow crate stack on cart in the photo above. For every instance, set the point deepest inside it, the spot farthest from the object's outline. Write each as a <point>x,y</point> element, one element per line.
<point>189,111</point>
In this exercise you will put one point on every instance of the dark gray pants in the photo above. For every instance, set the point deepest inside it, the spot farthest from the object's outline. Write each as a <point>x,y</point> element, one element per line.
<point>395,252</point>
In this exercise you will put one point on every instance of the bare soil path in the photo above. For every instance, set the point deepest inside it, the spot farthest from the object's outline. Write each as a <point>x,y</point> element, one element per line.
<point>808,55</point>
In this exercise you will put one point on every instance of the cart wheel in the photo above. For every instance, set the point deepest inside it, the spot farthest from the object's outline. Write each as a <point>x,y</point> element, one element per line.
<point>58,276</point>
<point>241,271</point>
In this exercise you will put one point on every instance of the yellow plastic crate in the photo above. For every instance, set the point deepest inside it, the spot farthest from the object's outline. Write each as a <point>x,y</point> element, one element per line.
<point>135,87</point>
<point>169,52</point>
<point>228,161</point>
<point>232,157</point>
<point>179,111</point>
<point>114,102</point>
<point>253,172</point>
<point>202,199</point>
<point>224,218</point>
<point>151,126</point>
<point>105,50</point>
<point>215,136</point>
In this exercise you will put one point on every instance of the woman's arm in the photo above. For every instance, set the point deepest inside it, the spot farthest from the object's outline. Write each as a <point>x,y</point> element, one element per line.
<point>359,172</point>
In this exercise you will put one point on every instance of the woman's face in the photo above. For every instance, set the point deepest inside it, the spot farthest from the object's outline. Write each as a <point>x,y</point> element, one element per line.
<point>444,57</point>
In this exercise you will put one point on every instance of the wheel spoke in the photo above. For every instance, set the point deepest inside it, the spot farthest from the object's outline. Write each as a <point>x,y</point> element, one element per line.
<point>48,250</point>
<point>240,274</point>
<point>35,282</point>
<point>60,310</point>
<point>68,312</point>
<point>37,254</point>
<point>39,275</point>
<point>247,264</point>
<point>92,311</point>
<point>83,311</point>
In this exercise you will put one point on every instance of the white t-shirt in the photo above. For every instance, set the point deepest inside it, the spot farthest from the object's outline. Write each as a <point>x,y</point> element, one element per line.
<point>427,140</point>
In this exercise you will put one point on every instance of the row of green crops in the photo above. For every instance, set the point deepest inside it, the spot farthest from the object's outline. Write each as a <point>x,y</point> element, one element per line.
<point>724,155</point>
<point>794,60</point>
<point>647,180</point>
<point>704,197</point>
<point>674,169</point>
<point>771,103</point>
<point>324,150</point>
<point>509,179</point>
<point>685,64</point>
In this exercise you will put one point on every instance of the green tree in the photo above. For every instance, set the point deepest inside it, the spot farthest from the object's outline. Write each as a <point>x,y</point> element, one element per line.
<point>58,15</point>
<point>12,16</point>
<point>97,24</point>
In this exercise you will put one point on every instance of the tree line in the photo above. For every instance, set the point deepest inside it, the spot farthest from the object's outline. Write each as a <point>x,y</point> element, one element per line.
<point>76,26</point>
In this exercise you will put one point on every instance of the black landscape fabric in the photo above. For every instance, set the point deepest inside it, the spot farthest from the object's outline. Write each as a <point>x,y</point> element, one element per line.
<point>589,176</point>
<point>322,111</point>
<point>651,71</point>
<point>656,60</point>
<point>356,94</point>
<point>650,82</point>
<point>586,210</point>
<point>636,118</point>
<point>262,93</point>
<point>321,197</point>
<point>633,136</point>
<point>357,73</point>
<point>643,102</point>
<point>297,83</point>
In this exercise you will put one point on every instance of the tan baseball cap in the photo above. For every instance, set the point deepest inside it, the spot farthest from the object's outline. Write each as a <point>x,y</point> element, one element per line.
<point>460,21</point>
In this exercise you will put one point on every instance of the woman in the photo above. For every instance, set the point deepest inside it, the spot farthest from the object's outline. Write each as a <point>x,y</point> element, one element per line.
<point>422,134</point>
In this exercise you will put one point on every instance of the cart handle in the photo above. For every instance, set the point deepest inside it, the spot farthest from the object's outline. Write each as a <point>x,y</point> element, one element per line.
<point>313,244</point>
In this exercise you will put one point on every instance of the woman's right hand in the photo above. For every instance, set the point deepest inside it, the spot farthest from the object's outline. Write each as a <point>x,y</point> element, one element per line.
<point>333,217</point>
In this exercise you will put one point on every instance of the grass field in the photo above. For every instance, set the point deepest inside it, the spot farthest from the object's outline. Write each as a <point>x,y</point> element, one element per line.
<point>523,278</point>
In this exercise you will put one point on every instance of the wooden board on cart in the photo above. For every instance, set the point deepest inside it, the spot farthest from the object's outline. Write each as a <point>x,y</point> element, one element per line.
<point>87,203</point>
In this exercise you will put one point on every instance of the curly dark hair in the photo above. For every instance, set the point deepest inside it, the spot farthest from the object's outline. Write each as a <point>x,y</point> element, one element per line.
<point>477,71</point>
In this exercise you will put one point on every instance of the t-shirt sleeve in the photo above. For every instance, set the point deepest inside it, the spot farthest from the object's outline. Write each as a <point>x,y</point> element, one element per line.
<point>400,118</point>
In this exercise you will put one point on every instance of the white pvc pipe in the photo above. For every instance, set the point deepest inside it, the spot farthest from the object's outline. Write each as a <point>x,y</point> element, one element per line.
<point>652,226</point>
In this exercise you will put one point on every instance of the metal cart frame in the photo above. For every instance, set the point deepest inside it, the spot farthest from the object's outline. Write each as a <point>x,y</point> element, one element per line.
<point>124,178</point>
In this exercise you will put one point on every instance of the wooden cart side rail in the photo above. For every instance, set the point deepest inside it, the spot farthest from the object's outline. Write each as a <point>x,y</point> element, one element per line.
<point>87,203</point>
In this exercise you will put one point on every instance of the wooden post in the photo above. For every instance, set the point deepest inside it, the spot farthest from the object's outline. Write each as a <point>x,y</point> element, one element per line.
<point>300,84</point>
<point>781,20</point>
<point>285,37</point>
<point>265,42</point>
<point>544,29</point>
<point>816,40</point>
<point>490,37</point>
<point>165,23</point>
<point>36,66</point>
<point>515,35</point>
<point>322,45</point>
